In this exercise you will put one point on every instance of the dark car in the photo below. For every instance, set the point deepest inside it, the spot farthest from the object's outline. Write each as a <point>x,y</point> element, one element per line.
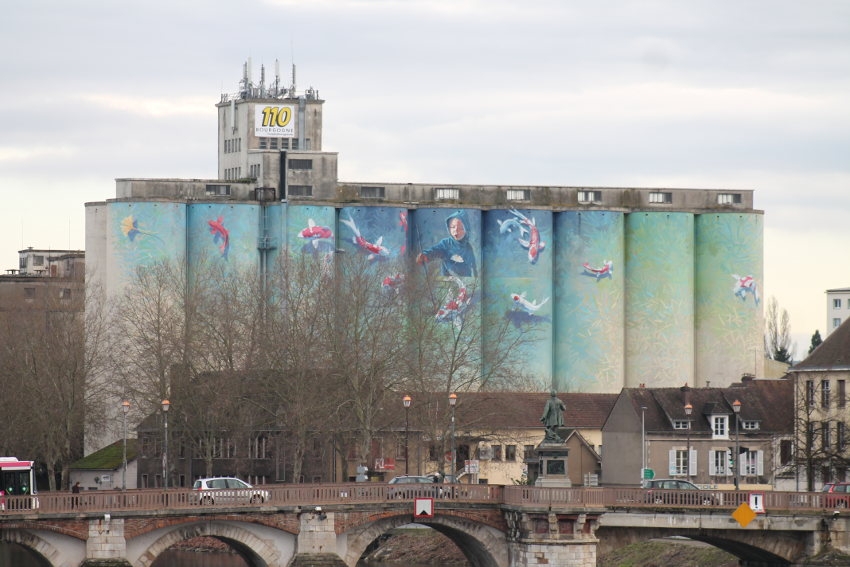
<point>674,491</point>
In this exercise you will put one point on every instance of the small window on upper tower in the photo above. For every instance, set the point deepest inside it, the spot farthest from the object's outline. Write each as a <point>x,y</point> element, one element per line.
<point>372,192</point>
<point>446,193</point>
<point>218,190</point>
<point>586,197</point>
<point>300,164</point>
<point>661,197</point>
<point>729,199</point>
<point>519,194</point>
<point>300,190</point>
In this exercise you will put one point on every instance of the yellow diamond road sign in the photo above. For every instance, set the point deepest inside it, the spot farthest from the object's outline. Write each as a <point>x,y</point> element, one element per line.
<point>744,515</point>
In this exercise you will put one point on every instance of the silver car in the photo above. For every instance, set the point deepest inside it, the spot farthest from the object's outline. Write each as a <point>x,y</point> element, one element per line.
<point>224,489</point>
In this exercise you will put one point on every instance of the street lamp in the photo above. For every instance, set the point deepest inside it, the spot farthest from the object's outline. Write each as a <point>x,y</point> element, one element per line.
<point>736,407</point>
<point>452,402</point>
<point>165,405</point>
<point>688,409</point>
<point>406,401</point>
<point>642,442</point>
<point>125,407</point>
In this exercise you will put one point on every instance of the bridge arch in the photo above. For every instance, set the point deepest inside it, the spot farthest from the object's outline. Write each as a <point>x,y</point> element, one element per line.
<point>55,549</point>
<point>253,542</point>
<point>754,547</point>
<point>481,544</point>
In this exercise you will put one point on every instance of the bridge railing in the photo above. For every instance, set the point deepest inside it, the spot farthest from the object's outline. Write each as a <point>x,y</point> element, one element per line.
<point>283,495</point>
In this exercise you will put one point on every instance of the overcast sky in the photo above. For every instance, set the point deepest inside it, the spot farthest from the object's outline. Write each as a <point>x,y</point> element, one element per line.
<point>715,94</point>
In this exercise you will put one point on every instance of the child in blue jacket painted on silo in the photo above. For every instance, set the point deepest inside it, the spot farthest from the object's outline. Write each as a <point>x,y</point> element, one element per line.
<point>454,251</point>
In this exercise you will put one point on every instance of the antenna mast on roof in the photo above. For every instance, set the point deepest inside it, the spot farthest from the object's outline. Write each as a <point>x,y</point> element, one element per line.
<point>292,88</point>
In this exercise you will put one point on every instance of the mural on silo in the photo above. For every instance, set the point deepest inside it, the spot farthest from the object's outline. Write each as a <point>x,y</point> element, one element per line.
<point>451,239</point>
<point>729,272</point>
<point>144,233</point>
<point>518,255</point>
<point>447,243</point>
<point>223,235</point>
<point>589,287</point>
<point>379,234</point>
<point>659,299</point>
<point>310,230</point>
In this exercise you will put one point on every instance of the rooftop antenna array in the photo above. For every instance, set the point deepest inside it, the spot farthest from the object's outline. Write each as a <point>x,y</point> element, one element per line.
<point>276,77</point>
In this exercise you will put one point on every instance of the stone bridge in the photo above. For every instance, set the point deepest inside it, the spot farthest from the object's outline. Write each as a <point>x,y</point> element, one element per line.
<point>493,526</point>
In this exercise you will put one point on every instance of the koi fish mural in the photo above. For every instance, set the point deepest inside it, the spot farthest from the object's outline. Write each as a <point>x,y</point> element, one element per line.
<point>392,283</point>
<point>374,249</point>
<point>455,305</point>
<point>130,229</point>
<point>529,235</point>
<point>606,271</point>
<point>221,235</point>
<point>314,231</point>
<point>508,226</point>
<point>745,285</point>
<point>530,307</point>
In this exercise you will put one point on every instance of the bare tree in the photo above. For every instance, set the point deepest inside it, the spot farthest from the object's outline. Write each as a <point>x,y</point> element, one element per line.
<point>468,351</point>
<point>366,344</point>
<point>47,378</point>
<point>778,332</point>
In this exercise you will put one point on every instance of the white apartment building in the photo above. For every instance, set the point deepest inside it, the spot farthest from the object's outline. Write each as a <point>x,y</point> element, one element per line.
<point>837,308</point>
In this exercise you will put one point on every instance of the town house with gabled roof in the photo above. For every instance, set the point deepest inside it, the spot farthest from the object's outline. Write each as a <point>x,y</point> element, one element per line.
<point>692,434</point>
<point>822,413</point>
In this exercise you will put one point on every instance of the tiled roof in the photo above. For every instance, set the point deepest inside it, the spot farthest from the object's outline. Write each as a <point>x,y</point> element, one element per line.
<point>832,354</point>
<point>770,402</point>
<point>517,410</point>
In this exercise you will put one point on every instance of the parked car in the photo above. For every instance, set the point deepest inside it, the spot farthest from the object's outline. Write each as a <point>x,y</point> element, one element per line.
<point>674,491</point>
<point>409,486</point>
<point>837,494</point>
<point>225,489</point>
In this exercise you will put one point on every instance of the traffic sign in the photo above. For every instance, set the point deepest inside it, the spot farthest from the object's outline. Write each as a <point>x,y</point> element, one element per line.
<point>648,474</point>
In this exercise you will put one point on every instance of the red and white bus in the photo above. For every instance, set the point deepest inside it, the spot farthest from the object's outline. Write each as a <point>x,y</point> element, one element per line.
<point>17,478</point>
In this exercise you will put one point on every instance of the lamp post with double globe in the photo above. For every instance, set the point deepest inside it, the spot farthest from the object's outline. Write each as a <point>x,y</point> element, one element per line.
<point>736,407</point>
<point>688,410</point>
<point>406,401</point>
<point>165,406</point>
<point>125,407</point>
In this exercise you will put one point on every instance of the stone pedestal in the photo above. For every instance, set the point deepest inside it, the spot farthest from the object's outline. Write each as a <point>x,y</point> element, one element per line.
<point>552,464</point>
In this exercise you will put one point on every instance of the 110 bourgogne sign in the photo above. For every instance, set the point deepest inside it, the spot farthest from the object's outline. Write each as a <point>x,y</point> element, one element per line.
<point>274,121</point>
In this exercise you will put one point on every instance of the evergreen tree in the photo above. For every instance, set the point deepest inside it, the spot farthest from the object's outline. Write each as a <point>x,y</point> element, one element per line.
<point>816,341</point>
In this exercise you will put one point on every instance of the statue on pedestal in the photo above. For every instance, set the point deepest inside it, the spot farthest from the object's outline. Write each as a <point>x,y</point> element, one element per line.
<point>553,418</point>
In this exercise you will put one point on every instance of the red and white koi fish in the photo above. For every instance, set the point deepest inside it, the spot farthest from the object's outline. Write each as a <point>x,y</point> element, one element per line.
<point>314,231</point>
<point>455,306</point>
<point>220,235</point>
<point>606,271</point>
<point>375,249</point>
<point>528,306</point>
<point>533,243</point>
<point>745,285</point>
<point>393,283</point>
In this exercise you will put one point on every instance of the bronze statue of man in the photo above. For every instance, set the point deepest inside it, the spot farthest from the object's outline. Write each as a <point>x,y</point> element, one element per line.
<point>553,417</point>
